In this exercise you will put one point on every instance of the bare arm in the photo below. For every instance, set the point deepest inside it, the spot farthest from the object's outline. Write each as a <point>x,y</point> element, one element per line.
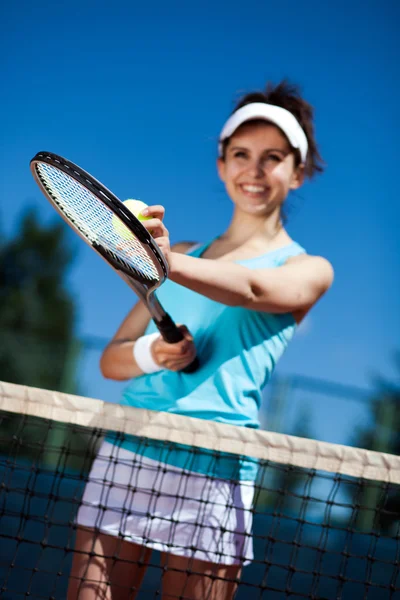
<point>296,285</point>
<point>117,361</point>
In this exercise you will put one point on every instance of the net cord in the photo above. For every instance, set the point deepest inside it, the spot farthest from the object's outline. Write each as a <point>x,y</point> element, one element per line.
<point>276,447</point>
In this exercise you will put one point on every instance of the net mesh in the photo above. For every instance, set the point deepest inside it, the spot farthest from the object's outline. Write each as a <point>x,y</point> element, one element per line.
<point>319,521</point>
<point>95,221</point>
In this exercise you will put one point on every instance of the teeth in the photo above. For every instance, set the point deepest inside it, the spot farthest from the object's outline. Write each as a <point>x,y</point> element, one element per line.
<point>254,188</point>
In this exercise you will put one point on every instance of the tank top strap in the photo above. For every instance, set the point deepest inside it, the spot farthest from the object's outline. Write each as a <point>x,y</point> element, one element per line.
<point>276,257</point>
<point>282,254</point>
<point>197,249</point>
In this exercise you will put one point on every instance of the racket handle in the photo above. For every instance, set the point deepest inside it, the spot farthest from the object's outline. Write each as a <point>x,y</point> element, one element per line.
<point>192,367</point>
<point>172,334</point>
<point>169,331</point>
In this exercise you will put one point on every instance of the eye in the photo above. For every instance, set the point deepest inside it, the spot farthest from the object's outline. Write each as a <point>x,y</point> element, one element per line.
<point>240,154</point>
<point>274,157</point>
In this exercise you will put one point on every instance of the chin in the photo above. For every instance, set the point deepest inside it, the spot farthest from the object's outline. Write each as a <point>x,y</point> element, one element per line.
<point>256,209</point>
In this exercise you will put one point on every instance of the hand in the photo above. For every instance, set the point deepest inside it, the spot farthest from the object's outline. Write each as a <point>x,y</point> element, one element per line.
<point>157,229</point>
<point>174,357</point>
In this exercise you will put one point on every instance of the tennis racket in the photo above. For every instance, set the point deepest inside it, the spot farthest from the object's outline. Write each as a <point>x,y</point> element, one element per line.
<point>105,223</point>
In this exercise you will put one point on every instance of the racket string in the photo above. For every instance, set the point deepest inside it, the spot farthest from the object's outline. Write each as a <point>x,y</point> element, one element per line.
<point>96,222</point>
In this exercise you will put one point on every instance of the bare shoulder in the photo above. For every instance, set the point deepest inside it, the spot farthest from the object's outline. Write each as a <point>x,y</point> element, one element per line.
<point>317,266</point>
<point>182,247</point>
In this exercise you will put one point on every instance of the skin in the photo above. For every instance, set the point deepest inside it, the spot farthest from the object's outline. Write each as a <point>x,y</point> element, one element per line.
<point>100,577</point>
<point>258,172</point>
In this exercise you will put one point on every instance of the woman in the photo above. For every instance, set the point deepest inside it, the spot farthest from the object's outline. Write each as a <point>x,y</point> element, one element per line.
<point>241,296</point>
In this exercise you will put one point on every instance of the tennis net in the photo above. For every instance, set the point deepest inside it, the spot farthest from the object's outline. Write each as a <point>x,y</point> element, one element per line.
<point>325,518</point>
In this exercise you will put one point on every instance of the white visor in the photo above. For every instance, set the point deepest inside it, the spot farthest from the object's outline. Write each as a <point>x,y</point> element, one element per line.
<point>280,117</point>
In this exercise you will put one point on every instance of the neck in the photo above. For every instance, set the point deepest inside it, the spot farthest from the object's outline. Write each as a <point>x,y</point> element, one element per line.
<point>267,230</point>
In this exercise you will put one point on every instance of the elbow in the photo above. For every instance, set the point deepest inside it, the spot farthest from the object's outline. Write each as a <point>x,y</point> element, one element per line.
<point>106,365</point>
<point>251,295</point>
<point>111,367</point>
<point>104,369</point>
<point>247,298</point>
<point>238,295</point>
<point>109,372</point>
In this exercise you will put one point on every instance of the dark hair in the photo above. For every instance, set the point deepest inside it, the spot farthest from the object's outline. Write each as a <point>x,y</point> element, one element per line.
<point>287,95</point>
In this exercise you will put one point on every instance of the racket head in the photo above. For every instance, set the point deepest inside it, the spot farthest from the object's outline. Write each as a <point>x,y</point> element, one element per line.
<point>100,219</point>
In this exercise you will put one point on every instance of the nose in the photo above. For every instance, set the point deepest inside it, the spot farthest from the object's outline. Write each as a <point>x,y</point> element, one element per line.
<point>256,168</point>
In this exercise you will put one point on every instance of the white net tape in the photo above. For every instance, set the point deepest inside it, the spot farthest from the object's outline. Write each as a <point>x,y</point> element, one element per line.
<point>279,448</point>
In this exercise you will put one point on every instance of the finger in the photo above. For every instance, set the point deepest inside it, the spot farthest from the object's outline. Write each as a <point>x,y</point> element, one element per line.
<point>172,364</point>
<point>173,352</point>
<point>178,366</point>
<point>153,223</point>
<point>168,357</point>
<point>156,227</point>
<point>186,333</point>
<point>156,211</point>
<point>188,356</point>
<point>185,358</point>
<point>169,352</point>
<point>163,244</point>
<point>176,347</point>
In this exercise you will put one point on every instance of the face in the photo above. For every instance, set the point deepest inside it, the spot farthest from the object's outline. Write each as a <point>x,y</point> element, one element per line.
<point>259,168</point>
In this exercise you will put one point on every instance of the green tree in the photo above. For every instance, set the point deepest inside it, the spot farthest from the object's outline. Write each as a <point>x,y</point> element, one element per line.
<point>37,310</point>
<point>283,485</point>
<point>37,346</point>
<point>382,435</point>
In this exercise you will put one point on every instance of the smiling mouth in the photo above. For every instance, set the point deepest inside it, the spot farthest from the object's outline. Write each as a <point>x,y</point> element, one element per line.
<point>254,189</point>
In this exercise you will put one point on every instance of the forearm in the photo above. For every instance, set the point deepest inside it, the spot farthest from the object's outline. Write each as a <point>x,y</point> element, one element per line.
<point>294,286</point>
<point>117,361</point>
<point>224,282</point>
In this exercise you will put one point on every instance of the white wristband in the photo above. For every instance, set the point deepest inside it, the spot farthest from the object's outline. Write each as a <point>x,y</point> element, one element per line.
<point>142,353</point>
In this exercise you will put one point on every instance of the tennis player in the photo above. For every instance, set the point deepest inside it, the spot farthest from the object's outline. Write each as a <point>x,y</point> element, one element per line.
<point>241,296</point>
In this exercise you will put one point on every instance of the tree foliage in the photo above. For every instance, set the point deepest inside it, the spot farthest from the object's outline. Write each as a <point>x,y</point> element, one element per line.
<point>382,435</point>
<point>282,485</point>
<point>37,310</point>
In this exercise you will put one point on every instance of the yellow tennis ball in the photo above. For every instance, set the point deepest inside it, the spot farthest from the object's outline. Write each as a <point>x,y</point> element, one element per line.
<point>135,207</point>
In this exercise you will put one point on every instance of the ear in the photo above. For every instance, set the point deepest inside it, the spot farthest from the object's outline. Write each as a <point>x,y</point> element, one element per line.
<point>221,168</point>
<point>297,178</point>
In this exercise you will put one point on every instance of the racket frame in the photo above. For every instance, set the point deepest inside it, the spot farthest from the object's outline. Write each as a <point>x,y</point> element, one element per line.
<point>145,290</point>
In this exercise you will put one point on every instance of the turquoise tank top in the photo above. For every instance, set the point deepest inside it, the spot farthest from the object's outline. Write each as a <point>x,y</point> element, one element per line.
<point>238,349</point>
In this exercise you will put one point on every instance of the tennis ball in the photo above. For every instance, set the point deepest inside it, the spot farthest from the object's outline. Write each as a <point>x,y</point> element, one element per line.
<point>135,207</point>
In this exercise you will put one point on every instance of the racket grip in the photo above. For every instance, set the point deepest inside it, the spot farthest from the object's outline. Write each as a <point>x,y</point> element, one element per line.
<point>172,334</point>
<point>192,367</point>
<point>169,331</point>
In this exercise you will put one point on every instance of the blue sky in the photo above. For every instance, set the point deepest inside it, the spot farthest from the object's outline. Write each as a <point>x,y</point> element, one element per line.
<point>137,94</point>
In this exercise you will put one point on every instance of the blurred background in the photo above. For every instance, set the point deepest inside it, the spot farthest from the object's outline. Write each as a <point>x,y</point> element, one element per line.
<point>136,94</point>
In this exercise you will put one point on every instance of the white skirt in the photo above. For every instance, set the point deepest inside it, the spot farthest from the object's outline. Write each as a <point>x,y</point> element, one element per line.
<point>167,508</point>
